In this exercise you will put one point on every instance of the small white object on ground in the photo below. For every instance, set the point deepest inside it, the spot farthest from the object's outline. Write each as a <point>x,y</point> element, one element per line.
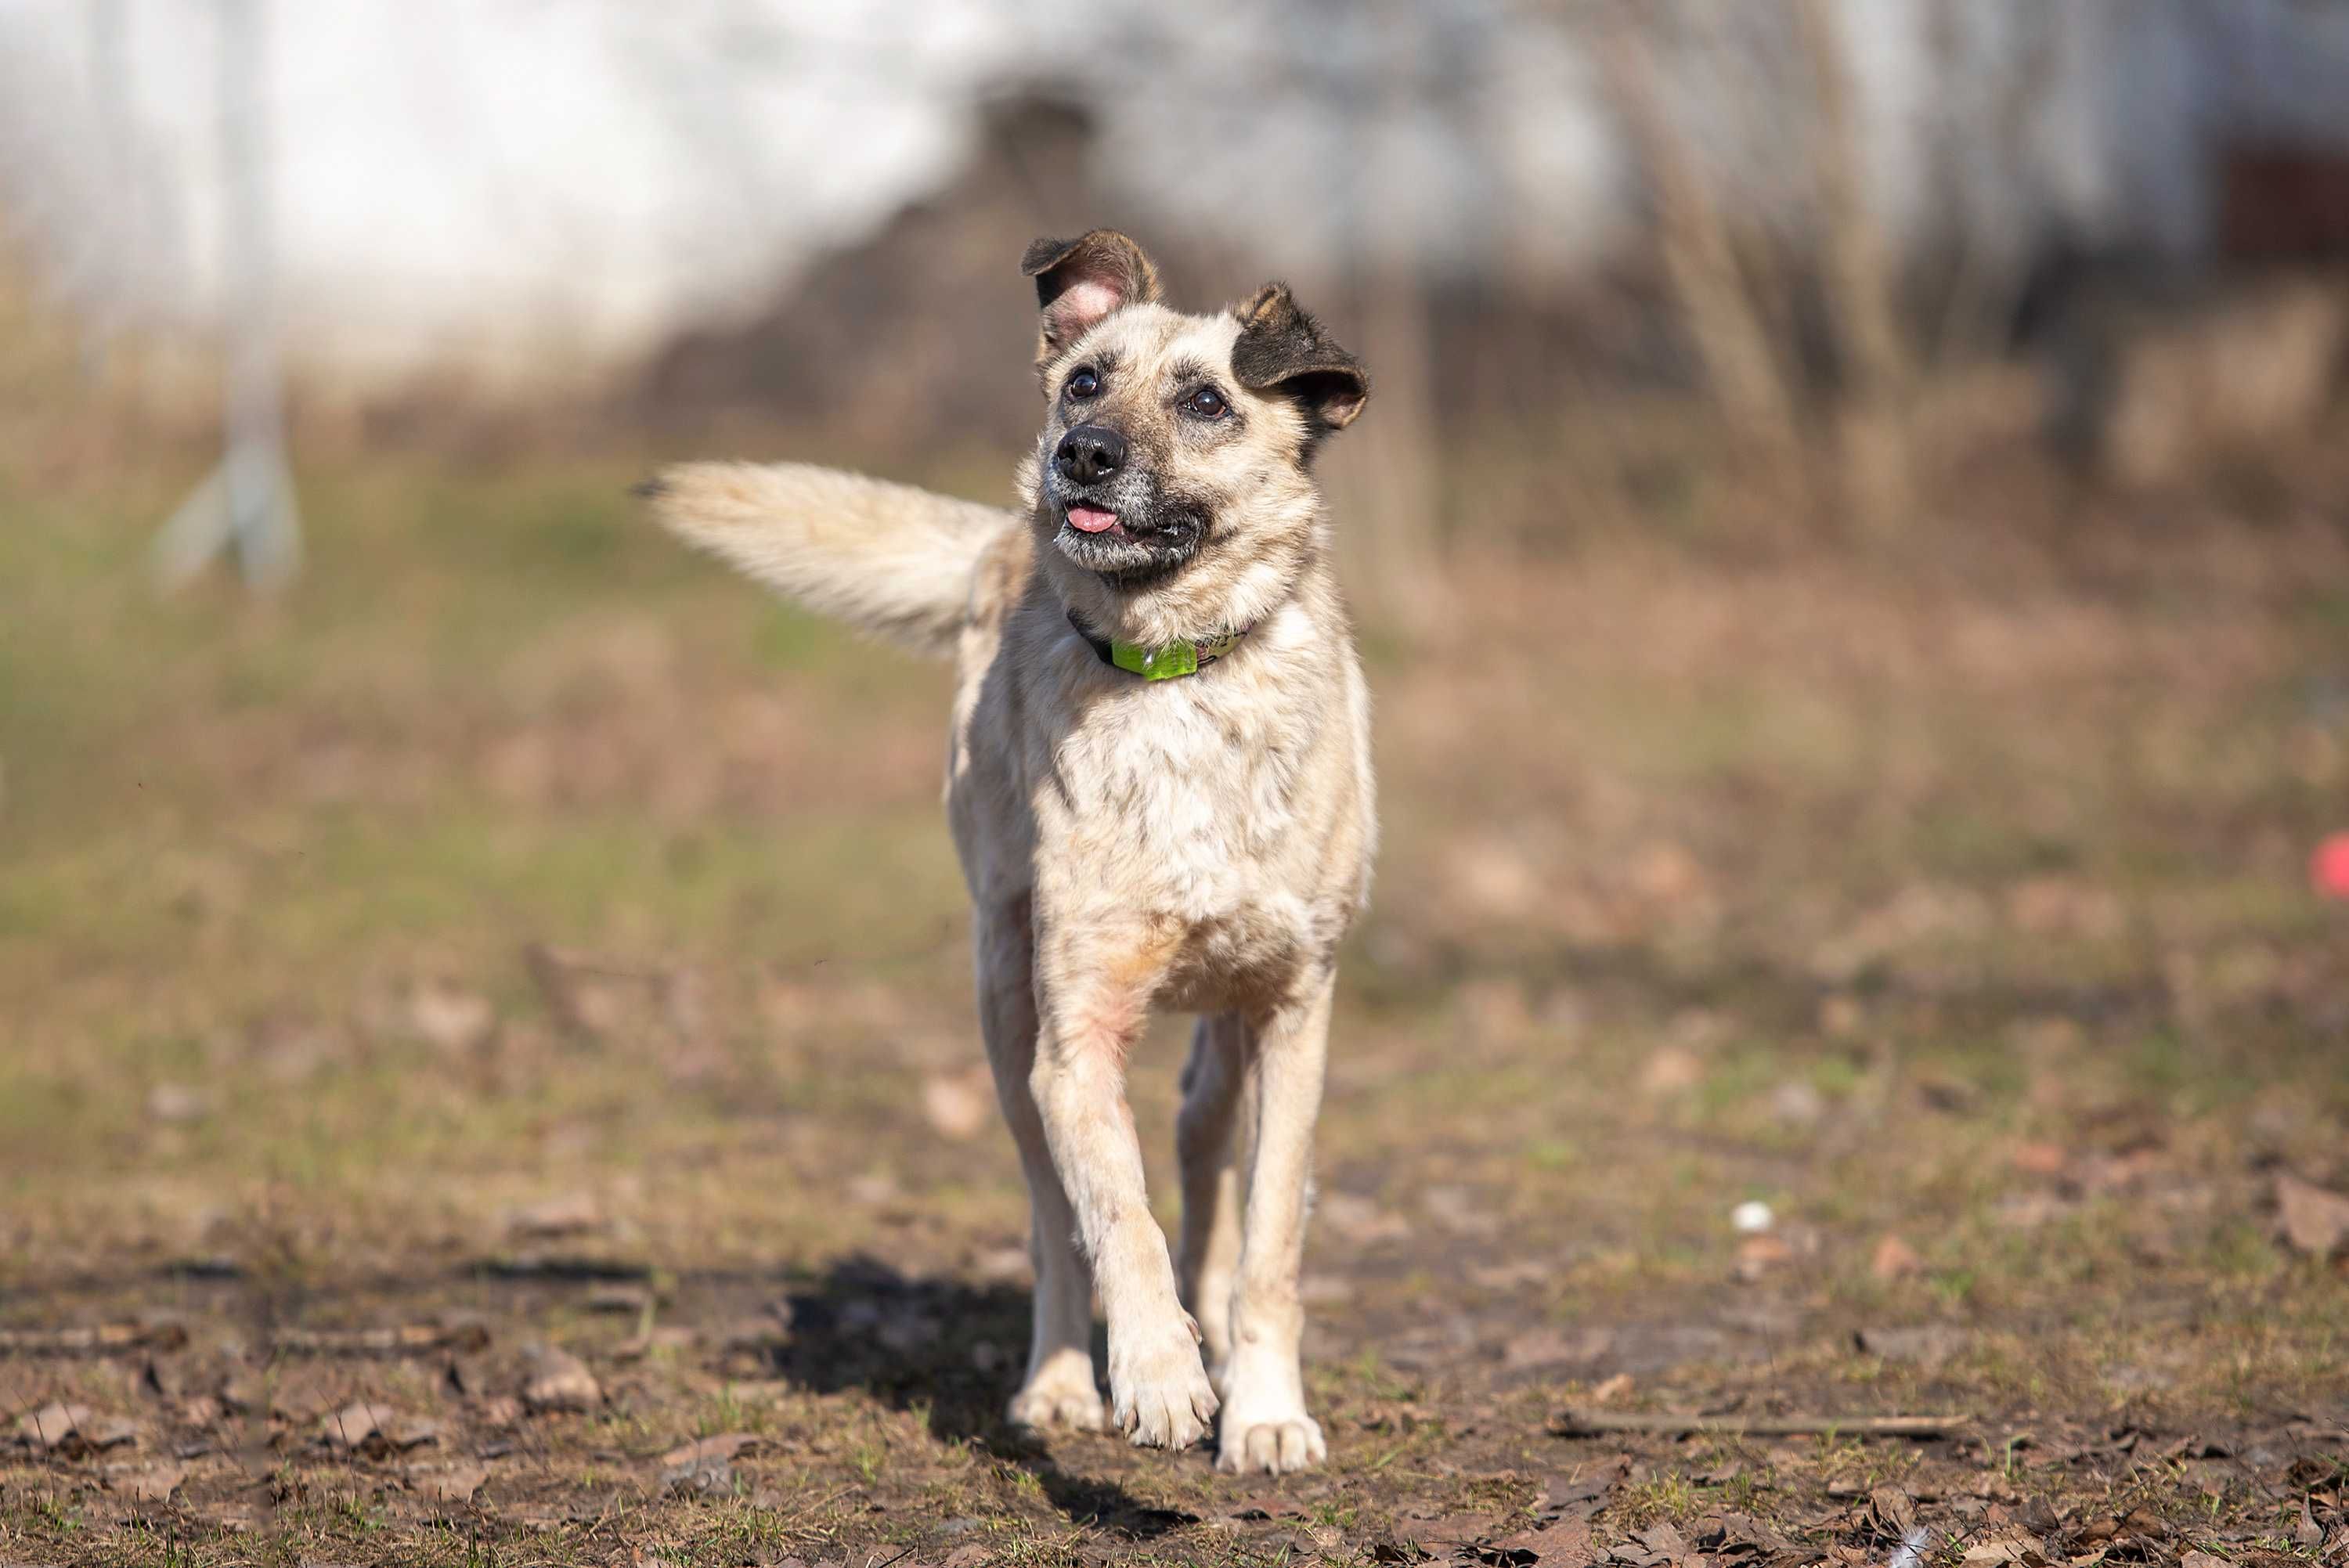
<point>1910,1553</point>
<point>1751,1218</point>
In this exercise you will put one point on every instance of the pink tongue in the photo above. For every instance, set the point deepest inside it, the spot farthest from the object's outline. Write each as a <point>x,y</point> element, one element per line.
<point>1092,519</point>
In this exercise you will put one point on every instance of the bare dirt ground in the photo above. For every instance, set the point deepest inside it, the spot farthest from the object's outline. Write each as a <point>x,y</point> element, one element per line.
<point>489,1075</point>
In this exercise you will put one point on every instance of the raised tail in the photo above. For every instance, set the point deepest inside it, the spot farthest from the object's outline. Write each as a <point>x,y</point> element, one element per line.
<point>886,558</point>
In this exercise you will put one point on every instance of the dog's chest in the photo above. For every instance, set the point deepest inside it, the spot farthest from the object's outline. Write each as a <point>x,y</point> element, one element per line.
<point>1179,809</point>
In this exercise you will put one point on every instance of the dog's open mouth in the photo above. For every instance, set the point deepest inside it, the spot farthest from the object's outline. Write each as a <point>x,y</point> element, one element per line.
<point>1133,542</point>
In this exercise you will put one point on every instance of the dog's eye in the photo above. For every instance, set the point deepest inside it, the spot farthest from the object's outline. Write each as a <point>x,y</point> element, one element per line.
<point>1084,384</point>
<point>1206,403</point>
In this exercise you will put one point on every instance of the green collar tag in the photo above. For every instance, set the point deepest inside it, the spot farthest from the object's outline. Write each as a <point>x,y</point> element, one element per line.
<point>1163,662</point>
<point>1155,663</point>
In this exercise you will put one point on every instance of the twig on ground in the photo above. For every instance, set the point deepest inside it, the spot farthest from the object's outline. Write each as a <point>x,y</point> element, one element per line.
<point>1576,1423</point>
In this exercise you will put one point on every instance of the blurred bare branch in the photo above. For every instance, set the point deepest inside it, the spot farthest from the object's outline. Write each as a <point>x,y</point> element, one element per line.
<point>1699,260</point>
<point>1398,511</point>
<point>1871,419</point>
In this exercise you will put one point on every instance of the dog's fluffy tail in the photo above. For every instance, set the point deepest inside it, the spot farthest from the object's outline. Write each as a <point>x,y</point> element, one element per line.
<point>888,559</point>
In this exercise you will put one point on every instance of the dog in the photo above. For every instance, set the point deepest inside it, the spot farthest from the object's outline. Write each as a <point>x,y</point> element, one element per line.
<point>1160,788</point>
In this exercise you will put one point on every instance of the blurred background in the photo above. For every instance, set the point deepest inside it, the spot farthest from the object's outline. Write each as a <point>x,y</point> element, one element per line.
<point>1852,541</point>
<point>1848,229</point>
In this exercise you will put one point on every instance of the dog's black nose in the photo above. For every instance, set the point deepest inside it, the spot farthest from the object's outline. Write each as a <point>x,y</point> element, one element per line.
<point>1089,453</point>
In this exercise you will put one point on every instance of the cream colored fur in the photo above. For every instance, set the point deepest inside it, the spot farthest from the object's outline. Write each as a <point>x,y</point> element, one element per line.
<point>1199,843</point>
<point>888,557</point>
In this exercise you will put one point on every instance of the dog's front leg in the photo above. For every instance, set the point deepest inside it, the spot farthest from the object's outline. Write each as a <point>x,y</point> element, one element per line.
<point>1264,1426</point>
<point>1205,1131</point>
<point>1092,1012</point>
<point>1057,1390</point>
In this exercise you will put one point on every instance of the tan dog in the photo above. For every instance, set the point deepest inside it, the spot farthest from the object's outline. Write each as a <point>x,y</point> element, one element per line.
<point>1159,786</point>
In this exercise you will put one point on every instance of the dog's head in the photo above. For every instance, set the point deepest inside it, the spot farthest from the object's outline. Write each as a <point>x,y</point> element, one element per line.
<point>1171,485</point>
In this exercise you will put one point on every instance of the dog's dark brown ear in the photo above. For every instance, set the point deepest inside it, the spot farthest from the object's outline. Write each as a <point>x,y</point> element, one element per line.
<point>1079,281</point>
<point>1283,349</point>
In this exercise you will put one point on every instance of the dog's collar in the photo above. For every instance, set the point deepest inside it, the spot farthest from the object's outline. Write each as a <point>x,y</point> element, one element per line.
<point>1163,662</point>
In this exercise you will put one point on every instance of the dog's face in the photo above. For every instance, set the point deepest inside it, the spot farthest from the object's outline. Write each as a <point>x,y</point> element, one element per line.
<point>1176,448</point>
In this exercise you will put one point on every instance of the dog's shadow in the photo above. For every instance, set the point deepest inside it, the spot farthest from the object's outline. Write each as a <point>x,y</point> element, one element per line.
<point>953,1349</point>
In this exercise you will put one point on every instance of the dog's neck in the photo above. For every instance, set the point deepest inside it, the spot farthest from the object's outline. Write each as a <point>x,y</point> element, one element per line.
<point>1205,598</point>
<point>1160,614</point>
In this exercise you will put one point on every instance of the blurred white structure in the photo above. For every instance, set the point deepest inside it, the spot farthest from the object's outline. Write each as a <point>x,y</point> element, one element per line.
<point>246,505</point>
<point>519,189</point>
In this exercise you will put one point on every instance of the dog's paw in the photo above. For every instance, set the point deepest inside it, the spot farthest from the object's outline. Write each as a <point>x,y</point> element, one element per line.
<point>1061,1396</point>
<point>1159,1392</point>
<point>1274,1443</point>
<point>1265,1428</point>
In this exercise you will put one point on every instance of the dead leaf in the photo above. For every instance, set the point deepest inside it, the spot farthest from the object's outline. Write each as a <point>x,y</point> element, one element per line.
<point>1565,1543</point>
<point>2041,1159</point>
<point>458,1332</point>
<point>1758,1255</point>
<point>50,1426</point>
<point>1255,1508</point>
<point>149,1482</point>
<point>1360,1220</point>
<point>2139,1525</point>
<point>1495,1008</point>
<point>158,1333</point>
<point>701,1450</point>
<point>503,1411</point>
<point>1451,1530</point>
<point>667,1336</point>
<point>1990,1554</point>
<point>1841,1016</point>
<point>107,1432</point>
<point>2061,906</point>
<point>1510,1275</point>
<point>1669,1069</point>
<point>2202,1560</point>
<point>412,1432</point>
<point>595,998</point>
<point>2315,1222</point>
<point>353,1426</point>
<point>1733,1535</point>
<point>152,1483</point>
<point>1618,1387</point>
<point>1582,1495</point>
<point>1927,1345</point>
<point>872,1187</point>
<point>1896,1510</point>
<point>448,1483</point>
<point>1895,1259</point>
<point>1002,1265</point>
<point>623,1298</point>
<point>1666,873</point>
<point>1665,1542</point>
<point>72,1430</point>
<point>711,1480</point>
<point>571,1214</point>
<point>960,1105</point>
<point>1552,1346</point>
<point>1460,1211</point>
<point>177,1104</point>
<point>561,1381</point>
<point>1798,1103</point>
<point>449,1017</point>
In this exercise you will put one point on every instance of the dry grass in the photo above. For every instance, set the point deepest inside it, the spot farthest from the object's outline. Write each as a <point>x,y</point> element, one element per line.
<point>1955,898</point>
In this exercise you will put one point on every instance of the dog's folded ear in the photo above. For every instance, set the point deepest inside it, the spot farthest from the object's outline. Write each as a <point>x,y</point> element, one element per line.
<point>1282,349</point>
<point>1079,281</point>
